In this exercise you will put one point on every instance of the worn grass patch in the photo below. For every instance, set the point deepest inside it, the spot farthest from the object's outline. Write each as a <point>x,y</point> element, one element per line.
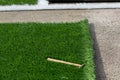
<point>24,48</point>
<point>20,2</point>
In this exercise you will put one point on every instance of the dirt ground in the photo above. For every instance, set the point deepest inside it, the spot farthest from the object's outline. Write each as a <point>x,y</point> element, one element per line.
<point>104,27</point>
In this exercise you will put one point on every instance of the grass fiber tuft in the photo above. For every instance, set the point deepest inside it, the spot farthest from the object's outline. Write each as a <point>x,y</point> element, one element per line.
<point>24,48</point>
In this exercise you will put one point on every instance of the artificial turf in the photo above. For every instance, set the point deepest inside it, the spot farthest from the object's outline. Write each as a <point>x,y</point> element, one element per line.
<point>24,48</point>
<point>20,2</point>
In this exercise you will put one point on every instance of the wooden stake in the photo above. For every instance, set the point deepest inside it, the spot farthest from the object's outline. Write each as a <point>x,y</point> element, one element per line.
<point>64,62</point>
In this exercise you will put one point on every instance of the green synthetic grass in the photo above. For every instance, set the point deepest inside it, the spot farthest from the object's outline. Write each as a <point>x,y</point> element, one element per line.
<point>20,2</point>
<point>24,48</point>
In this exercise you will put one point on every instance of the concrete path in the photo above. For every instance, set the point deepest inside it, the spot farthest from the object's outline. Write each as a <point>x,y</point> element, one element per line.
<point>105,23</point>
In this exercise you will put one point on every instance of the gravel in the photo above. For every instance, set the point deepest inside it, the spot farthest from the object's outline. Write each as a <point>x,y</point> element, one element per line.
<point>105,27</point>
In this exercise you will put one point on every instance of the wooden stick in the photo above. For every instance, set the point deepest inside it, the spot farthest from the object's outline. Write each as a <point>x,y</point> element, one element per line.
<point>64,62</point>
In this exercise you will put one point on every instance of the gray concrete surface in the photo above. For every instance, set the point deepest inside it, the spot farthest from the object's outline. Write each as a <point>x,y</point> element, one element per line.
<point>105,24</point>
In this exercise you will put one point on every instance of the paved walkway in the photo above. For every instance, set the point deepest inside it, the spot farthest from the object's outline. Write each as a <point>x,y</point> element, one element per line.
<point>105,23</point>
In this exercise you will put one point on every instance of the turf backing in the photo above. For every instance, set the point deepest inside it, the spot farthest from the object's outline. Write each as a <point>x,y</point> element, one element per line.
<point>24,48</point>
<point>20,2</point>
